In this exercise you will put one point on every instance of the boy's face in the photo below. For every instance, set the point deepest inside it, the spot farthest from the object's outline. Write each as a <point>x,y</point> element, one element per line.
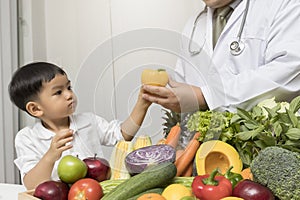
<point>57,99</point>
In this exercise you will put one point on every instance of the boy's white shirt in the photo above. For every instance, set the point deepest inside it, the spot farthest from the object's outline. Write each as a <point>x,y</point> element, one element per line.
<point>90,133</point>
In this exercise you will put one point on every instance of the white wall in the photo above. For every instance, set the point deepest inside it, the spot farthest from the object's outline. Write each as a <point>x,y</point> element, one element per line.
<point>104,45</point>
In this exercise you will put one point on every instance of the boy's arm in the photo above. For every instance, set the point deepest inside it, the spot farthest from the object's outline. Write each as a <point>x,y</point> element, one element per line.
<point>43,169</point>
<point>132,124</point>
<point>40,173</point>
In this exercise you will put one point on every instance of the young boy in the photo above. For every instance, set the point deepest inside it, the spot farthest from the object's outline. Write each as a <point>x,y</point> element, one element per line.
<point>44,91</point>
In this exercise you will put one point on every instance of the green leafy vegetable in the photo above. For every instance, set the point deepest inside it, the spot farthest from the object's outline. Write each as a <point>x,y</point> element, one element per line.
<point>269,123</point>
<point>212,125</point>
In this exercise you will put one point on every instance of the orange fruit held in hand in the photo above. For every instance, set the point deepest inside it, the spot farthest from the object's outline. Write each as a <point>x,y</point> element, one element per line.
<point>151,196</point>
<point>157,77</point>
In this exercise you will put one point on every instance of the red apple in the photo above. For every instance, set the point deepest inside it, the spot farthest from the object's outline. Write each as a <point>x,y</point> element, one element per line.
<point>52,190</point>
<point>98,168</point>
<point>248,189</point>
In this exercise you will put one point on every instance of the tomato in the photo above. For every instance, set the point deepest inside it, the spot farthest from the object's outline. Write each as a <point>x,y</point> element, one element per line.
<point>157,77</point>
<point>85,188</point>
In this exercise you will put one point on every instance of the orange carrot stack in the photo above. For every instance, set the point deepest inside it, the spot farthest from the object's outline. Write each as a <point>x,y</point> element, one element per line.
<point>173,136</point>
<point>184,162</point>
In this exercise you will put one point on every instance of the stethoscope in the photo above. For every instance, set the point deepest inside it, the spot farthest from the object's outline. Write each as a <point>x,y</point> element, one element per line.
<point>236,47</point>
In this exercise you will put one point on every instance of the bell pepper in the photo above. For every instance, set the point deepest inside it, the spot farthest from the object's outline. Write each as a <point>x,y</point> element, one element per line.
<point>211,186</point>
<point>157,77</point>
<point>234,178</point>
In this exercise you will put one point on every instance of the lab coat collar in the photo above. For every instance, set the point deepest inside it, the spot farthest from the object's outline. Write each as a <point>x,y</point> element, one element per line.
<point>235,3</point>
<point>75,125</point>
<point>236,15</point>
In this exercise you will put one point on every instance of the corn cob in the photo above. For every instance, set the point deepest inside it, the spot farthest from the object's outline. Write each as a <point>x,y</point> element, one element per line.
<point>142,141</point>
<point>117,160</point>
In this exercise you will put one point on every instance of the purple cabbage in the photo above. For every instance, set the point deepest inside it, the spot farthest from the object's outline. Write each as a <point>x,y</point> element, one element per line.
<point>138,160</point>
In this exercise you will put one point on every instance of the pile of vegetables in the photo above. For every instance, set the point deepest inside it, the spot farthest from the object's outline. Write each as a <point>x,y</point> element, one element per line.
<point>269,123</point>
<point>213,186</point>
<point>156,176</point>
<point>227,155</point>
<point>275,171</point>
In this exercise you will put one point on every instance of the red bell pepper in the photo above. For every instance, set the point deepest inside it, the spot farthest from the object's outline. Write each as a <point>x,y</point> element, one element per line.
<point>211,187</point>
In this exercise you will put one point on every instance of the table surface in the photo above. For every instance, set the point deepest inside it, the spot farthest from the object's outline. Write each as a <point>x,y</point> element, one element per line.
<point>10,191</point>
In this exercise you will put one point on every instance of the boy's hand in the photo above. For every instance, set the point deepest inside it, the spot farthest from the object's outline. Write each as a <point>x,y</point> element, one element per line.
<point>60,142</point>
<point>141,101</point>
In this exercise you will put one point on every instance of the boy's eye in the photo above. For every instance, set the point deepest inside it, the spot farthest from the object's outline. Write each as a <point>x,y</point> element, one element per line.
<point>69,87</point>
<point>58,92</point>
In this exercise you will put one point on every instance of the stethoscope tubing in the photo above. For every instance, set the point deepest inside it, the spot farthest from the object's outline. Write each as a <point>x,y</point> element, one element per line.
<point>236,47</point>
<point>193,53</point>
<point>243,21</point>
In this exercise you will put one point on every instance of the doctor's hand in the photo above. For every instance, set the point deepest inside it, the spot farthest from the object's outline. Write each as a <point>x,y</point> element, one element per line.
<point>179,97</point>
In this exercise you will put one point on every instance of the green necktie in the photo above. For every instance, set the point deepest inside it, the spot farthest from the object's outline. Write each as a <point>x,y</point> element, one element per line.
<point>221,15</point>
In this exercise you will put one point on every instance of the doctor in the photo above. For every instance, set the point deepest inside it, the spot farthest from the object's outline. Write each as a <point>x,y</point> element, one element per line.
<point>257,56</point>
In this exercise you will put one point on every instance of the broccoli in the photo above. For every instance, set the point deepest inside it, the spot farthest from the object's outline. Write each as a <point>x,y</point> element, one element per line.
<point>279,170</point>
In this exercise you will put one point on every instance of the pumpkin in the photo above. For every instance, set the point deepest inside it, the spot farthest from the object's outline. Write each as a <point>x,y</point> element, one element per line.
<point>217,154</point>
<point>158,77</point>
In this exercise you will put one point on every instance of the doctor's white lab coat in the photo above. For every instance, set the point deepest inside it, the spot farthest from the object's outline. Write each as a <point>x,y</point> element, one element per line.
<point>269,65</point>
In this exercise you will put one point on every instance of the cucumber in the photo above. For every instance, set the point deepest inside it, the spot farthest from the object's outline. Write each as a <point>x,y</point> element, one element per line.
<point>155,176</point>
<point>153,190</point>
<point>109,185</point>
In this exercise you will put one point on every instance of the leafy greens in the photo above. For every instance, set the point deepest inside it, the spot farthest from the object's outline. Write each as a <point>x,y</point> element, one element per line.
<point>269,123</point>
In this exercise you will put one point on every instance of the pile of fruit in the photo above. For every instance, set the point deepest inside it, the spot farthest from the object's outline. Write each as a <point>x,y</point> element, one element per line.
<point>79,179</point>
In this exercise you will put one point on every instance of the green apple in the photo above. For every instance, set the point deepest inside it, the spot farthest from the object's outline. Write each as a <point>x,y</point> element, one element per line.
<point>71,168</point>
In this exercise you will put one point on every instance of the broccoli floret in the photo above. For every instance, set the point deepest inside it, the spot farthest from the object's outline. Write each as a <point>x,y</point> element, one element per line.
<point>279,170</point>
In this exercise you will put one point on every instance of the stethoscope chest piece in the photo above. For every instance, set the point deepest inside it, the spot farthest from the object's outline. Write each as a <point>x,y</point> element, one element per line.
<point>236,48</point>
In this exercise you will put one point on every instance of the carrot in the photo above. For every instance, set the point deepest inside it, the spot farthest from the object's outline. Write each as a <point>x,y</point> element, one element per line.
<point>188,170</point>
<point>179,152</point>
<point>188,155</point>
<point>173,136</point>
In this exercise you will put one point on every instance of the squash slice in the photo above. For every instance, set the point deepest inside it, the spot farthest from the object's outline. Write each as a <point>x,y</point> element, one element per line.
<point>217,154</point>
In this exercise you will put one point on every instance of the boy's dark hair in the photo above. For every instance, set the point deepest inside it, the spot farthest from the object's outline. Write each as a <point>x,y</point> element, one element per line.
<point>27,82</point>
